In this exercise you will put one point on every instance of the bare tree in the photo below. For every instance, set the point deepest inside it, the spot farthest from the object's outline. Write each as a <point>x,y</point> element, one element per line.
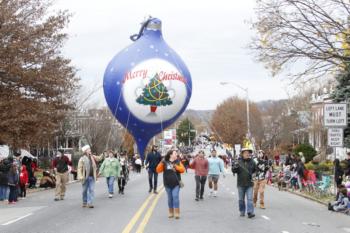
<point>310,36</point>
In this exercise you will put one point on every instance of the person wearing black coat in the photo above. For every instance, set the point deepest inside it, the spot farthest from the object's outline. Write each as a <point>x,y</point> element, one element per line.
<point>5,166</point>
<point>338,172</point>
<point>245,167</point>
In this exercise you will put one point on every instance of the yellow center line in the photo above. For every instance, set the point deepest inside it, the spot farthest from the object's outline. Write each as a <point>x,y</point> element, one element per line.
<point>148,214</point>
<point>138,214</point>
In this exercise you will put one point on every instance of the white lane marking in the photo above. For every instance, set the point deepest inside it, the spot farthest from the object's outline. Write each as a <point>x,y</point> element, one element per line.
<point>265,217</point>
<point>346,229</point>
<point>285,232</point>
<point>233,193</point>
<point>17,219</point>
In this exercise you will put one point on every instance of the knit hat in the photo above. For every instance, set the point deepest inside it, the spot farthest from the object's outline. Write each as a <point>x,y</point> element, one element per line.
<point>85,148</point>
<point>58,154</point>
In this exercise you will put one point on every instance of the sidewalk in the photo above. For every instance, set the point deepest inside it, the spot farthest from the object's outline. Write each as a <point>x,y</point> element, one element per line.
<point>304,195</point>
<point>35,190</point>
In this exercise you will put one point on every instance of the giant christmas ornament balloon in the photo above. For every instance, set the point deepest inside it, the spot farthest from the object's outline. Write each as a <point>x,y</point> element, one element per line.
<point>147,86</point>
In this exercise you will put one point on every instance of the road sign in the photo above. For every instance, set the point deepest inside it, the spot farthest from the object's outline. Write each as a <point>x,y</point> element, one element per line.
<point>335,115</point>
<point>237,148</point>
<point>335,137</point>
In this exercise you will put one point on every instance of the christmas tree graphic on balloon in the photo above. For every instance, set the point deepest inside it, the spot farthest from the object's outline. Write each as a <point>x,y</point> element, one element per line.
<point>154,94</point>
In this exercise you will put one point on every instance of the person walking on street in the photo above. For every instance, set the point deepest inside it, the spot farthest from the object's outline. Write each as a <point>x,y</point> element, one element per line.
<point>23,181</point>
<point>216,166</point>
<point>87,174</point>
<point>245,168</point>
<point>152,161</point>
<point>262,167</point>
<point>172,168</point>
<point>13,181</point>
<point>60,166</point>
<point>110,169</point>
<point>138,164</point>
<point>201,166</point>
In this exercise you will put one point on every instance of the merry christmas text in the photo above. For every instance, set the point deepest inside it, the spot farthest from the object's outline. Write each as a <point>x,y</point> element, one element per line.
<point>162,75</point>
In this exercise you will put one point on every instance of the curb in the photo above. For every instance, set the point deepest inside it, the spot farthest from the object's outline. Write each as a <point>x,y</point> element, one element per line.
<point>36,190</point>
<point>305,196</point>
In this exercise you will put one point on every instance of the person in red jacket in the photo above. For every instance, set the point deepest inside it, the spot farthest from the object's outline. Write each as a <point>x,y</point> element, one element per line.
<point>201,166</point>
<point>23,181</point>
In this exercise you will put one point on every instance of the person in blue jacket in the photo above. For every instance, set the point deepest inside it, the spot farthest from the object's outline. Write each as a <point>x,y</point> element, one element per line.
<point>152,161</point>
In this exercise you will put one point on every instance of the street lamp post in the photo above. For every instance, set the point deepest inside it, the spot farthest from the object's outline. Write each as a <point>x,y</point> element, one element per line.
<point>247,100</point>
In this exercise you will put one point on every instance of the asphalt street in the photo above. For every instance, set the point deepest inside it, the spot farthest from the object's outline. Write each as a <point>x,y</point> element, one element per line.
<point>138,211</point>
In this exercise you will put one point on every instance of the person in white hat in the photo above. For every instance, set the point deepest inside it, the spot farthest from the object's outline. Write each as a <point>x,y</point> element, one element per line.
<point>245,168</point>
<point>87,174</point>
<point>60,165</point>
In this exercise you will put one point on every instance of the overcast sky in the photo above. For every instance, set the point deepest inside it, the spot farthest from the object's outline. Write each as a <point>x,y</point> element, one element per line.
<point>210,36</point>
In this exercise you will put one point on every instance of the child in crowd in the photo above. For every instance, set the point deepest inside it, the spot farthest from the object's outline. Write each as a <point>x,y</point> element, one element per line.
<point>23,181</point>
<point>342,203</point>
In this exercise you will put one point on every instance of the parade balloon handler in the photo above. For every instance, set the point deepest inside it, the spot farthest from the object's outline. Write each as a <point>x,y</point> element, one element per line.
<point>60,165</point>
<point>152,160</point>
<point>216,167</point>
<point>87,174</point>
<point>110,169</point>
<point>124,173</point>
<point>260,178</point>
<point>147,85</point>
<point>201,166</point>
<point>172,168</point>
<point>245,167</point>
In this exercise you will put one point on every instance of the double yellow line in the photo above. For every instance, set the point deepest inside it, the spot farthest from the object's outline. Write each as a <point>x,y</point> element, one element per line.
<point>147,216</point>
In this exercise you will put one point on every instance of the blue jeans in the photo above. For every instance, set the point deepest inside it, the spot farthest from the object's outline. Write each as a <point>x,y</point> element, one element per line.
<point>173,197</point>
<point>151,175</point>
<point>3,192</point>
<point>110,184</point>
<point>242,192</point>
<point>88,190</point>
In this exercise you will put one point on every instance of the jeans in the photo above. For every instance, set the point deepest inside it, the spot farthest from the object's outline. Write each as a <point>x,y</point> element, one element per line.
<point>88,190</point>
<point>242,193</point>
<point>200,184</point>
<point>3,192</point>
<point>110,184</point>
<point>121,184</point>
<point>152,174</point>
<point>173,197</point>
<point>13,194</point>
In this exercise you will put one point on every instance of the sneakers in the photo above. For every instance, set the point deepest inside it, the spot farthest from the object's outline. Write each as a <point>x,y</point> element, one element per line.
<point>155,192</point>
<point>84,205</point>
<point>56,199</point>
<point>250,215</point>
<point>215,194</point>
<point>150,190</point>
<point>210,192</point>
<point>90,206</point>
<point>110,195</point>
<point>197,199</point>
<point>242,214</point>
<point>201,198</point>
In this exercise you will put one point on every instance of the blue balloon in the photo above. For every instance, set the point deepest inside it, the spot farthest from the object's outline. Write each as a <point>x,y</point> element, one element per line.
<point>147,86</point>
